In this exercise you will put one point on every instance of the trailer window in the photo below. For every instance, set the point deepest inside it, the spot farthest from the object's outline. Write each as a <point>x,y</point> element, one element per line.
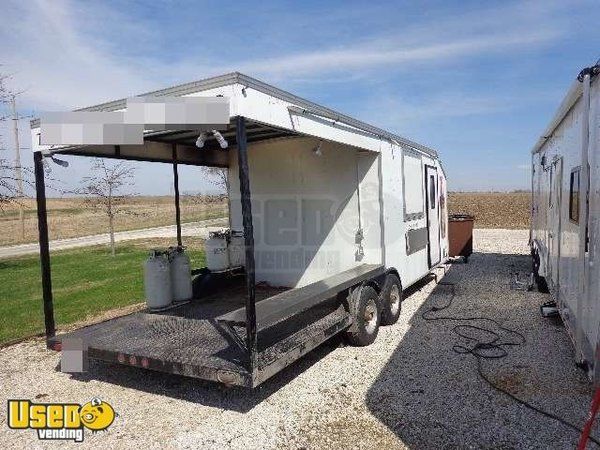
<point>574,196</point>
<point>414,183</point>
<point>550,187</point>
<point>432,191</point>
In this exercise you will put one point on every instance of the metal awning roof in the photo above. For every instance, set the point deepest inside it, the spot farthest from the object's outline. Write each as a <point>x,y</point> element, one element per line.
<point>179,146</point>
<point>249,82</point>
<point>254,132</point>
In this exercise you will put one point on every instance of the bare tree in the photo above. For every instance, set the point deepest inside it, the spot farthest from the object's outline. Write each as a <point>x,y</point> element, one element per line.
<point>8,190</point>
<point>12,176</point>
<point>105,191</point>
<point>218,177</point>
<point>4,91</point>
<point>8,186</point>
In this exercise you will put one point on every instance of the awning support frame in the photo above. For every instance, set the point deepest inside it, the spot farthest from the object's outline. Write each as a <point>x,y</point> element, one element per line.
<point>251,338</point>
<point>176,189</point>
<point>40,193</point>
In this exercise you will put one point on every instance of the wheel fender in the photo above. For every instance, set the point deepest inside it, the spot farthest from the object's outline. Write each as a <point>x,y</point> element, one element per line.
<point>352,304</point>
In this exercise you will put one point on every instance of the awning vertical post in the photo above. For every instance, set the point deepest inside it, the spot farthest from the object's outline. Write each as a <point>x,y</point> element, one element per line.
<point>40,191</point>
<point>176,189</point>
<point>242,148</point>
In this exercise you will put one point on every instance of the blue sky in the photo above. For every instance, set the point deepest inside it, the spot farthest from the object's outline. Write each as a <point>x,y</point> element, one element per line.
<point>478,81</point>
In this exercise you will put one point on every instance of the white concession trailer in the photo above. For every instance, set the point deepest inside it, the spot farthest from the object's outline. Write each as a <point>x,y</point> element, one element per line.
<point>337,216</point>
<point>565,227</point>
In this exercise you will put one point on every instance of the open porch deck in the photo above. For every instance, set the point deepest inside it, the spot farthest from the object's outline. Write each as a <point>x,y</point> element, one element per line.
<point>190,340</point>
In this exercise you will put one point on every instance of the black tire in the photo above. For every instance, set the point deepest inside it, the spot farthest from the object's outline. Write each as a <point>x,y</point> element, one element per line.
<point>391,299</point>
<point>367,317</point>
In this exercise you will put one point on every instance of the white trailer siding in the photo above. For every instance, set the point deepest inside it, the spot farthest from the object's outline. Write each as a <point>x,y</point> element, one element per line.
<point>564,146</point>
<point>403,179</point>
<point>306,209</point>
<point>569,267</point>
<point>370,197</point>
<point>393,205</point>
<point>591,311</point>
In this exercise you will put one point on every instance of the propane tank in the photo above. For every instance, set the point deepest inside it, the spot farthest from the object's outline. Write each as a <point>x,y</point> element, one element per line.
<point>157,280</point>
<point>181,274</point>
<point>217,256</point>
<point>237,249</point>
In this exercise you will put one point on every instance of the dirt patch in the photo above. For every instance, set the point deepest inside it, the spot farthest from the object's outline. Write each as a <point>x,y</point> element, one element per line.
<point>71,217</point>
<point>506,210</point>
<point>512,382</point>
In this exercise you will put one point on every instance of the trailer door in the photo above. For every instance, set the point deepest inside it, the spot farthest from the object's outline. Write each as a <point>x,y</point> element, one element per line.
<point>433,215</point>
<point>554,222</point>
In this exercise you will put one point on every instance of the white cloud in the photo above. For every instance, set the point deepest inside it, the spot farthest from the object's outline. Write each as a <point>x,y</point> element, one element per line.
<point>71,54</point>
<point>54,61</point>
<point>445,40</point>
<point>452,103</point>
<point>371,56</point>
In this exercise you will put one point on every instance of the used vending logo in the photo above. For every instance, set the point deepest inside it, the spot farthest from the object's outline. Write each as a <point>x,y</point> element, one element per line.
<point>64,421</point>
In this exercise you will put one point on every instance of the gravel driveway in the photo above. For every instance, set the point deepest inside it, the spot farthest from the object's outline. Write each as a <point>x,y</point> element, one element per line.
<point>408,390</point>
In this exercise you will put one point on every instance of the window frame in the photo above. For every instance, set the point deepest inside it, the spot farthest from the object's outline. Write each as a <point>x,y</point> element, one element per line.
<point>551,186</point>
<point>575,170</point>
<point>432,191</point>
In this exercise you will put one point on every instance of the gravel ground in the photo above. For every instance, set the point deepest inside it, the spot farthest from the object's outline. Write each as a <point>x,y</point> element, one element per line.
<point>408,390</point>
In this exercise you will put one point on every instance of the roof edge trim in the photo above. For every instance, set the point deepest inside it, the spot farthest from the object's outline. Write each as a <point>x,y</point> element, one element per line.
<point>572,96</point>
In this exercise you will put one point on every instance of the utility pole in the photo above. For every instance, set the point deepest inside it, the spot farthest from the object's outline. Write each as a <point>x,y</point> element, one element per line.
<point>18,169</point>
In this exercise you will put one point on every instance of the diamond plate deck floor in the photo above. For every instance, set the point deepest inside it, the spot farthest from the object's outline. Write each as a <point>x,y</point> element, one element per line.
<point>186,335</point>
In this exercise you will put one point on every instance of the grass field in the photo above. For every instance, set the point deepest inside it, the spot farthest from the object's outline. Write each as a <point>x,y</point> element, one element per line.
<point>508,210</point>
<point>71,217</point>
<point>85,283</point>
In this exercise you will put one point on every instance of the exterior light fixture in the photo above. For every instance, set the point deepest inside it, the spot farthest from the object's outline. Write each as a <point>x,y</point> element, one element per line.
<point>317,150</point>
<point>220,139</point>
<point>201,140</point>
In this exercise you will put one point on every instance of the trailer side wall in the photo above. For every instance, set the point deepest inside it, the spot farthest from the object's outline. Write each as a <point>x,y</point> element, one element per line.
<point>555,229</point>
<point>306,209</point>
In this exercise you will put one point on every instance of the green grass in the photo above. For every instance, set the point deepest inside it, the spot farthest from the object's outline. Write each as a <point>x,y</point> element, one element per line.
<point>85,282</point>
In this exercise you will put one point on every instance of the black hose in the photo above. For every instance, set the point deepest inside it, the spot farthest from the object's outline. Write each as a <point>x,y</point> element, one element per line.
<point>494,348</point>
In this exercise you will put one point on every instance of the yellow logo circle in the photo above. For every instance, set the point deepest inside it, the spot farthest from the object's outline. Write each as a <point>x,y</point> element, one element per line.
<point>97,415</point>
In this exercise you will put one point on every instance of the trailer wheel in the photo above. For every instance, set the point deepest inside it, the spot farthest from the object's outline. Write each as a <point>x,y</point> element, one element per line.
<point>367,317</point>
<point>391,300</point>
